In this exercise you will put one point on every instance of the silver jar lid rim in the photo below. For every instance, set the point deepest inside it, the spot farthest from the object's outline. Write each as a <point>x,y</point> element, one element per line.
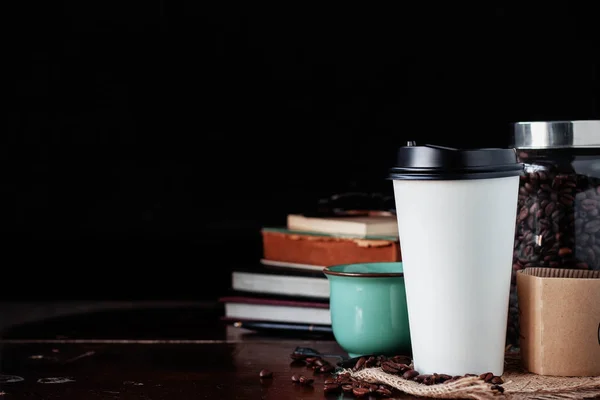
<point>556,134</point>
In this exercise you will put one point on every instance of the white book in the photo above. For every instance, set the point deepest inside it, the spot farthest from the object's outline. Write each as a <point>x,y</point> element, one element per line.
<point>360,226</point>
<point>281,284</point>
<point>264,312</point>
<point>276,310</point>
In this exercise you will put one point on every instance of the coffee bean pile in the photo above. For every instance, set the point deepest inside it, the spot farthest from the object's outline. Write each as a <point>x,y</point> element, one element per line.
<point>406,371</point>
<point>345,383</point>
<point>558,221</point>
<point>396,365</point>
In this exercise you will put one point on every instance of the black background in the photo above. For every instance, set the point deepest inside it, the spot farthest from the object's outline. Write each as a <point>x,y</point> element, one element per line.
<point>147,142</point>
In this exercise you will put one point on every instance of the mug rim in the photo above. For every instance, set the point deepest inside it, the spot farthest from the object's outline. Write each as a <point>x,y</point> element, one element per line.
<point>328,271</point>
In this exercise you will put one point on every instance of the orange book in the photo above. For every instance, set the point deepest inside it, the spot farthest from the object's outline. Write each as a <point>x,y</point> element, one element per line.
<point>325,250</point>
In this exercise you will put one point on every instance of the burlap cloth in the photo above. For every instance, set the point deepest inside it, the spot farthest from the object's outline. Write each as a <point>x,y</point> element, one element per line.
<point>518,384</point>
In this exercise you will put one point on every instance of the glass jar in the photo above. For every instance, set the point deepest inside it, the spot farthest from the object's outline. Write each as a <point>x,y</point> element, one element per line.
<point>558,214</point>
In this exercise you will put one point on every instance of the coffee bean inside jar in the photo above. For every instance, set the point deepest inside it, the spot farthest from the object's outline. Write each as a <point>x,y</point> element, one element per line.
<point>558,214</point>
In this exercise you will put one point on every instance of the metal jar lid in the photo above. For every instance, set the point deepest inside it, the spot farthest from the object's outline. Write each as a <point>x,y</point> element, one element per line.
<point>555,134</point>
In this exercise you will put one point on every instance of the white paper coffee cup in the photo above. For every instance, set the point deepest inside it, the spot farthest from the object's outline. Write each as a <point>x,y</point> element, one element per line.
<point>456,214</point>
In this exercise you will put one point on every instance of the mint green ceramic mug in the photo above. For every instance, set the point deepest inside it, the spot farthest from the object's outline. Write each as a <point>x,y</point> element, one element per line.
<point>368,308</point>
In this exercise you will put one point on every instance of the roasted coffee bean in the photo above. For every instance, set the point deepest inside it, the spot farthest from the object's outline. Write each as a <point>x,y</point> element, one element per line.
<point>360,392</point>
<point>265,373</point>
<point>303,380</point>
<point>382,392</point>
<point>497,388</point>
<point>381,359</point>
<point>347,388</point>
<point>396,365</point>
<point>388,366</point>
<point>311,360</point>
<point>564,251</point>
<point>402,360</point>
<point>591,226</point>
<point>370,362</point>
<point>496,380</point>
<point>332,387</point>
<point>444,377</point>
<point>345,375</point>
<point>421,378</point>
<point>329,380</point>
<point>410,374</point>
<point>326,368</point>
<point>524,213</point>
<point>488,376</point>
<point>295,378</point>
<point>359,364</point>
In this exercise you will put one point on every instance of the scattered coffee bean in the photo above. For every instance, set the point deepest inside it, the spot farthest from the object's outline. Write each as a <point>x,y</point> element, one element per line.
<point>327,368</point>
<point>497,388</point>
<point>360,392</point>
<point>402,360</point>
<point>421,378</point>
<point>359,364</point>
<point>303,380</point>
<point>381,359</point>
<point>488,376</point>
<point>410,374</point>
<point>387,367</point>
<point>396,365</point>
<point>265,373</point>
<point>295,378</point>
<point>347,388</point>
<point>383,392</point>
<point>370,362</point>
<point>496,380</point>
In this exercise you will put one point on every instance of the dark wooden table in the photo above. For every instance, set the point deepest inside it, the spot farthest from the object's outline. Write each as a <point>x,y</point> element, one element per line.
<point>176,353</point>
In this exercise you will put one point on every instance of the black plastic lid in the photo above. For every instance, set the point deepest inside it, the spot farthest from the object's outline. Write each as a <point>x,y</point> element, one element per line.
<point>431,162</point>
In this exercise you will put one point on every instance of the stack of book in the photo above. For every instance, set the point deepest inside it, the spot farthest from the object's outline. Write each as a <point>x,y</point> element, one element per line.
<point>288,290</point>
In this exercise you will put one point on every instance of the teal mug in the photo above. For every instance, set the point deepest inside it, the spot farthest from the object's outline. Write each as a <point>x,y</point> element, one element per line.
<point>368,308</point>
